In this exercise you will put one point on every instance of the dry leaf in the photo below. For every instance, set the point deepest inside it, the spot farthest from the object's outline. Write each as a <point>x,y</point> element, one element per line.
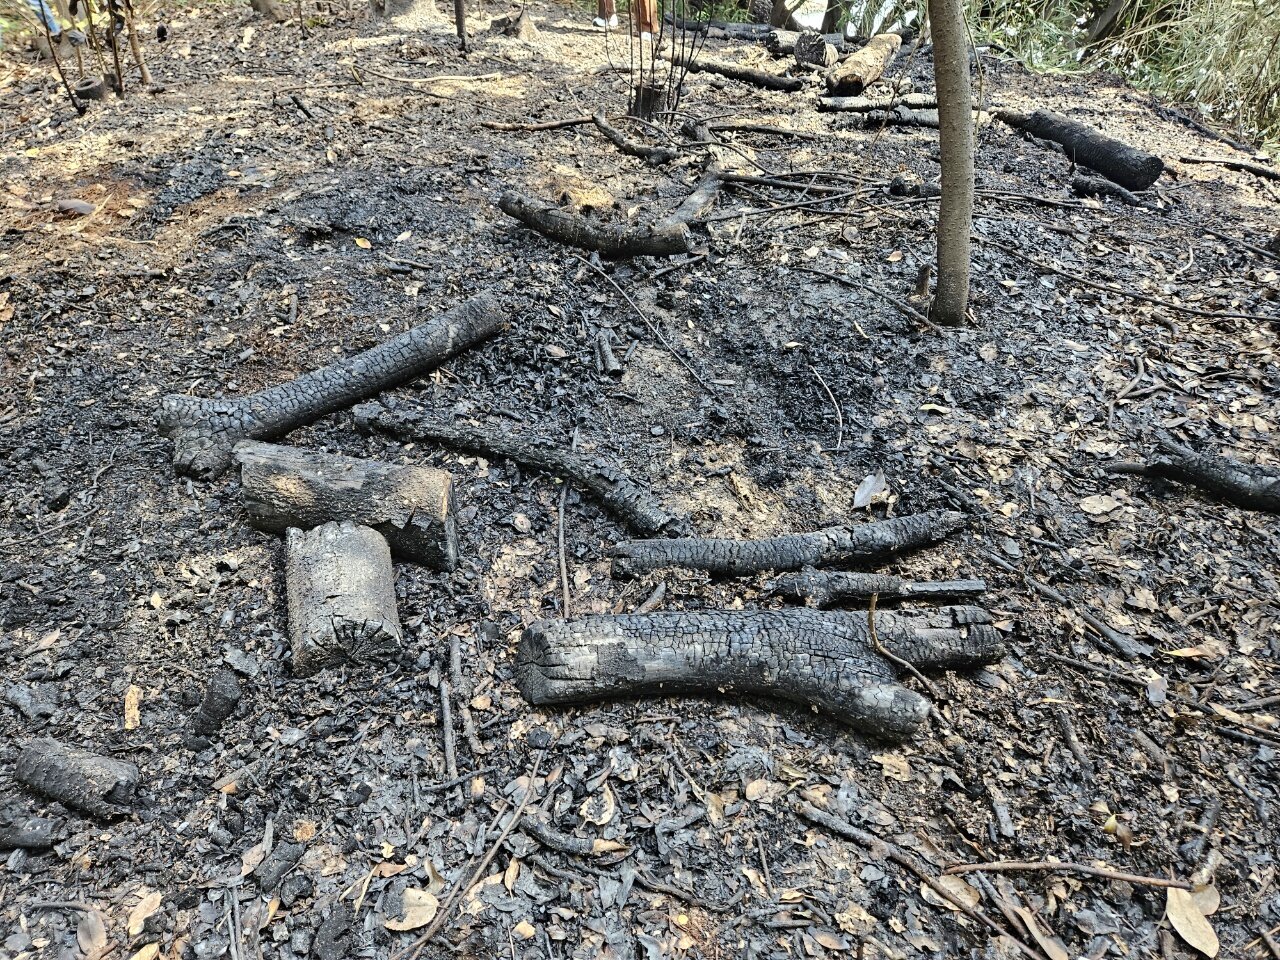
<point>524,930</point>
<point>91,932</point>
<point>955,886</point>
<point>1051,945</point>
<point>757,789</point>
<point>855,921</point>
<point>363,244</point>
<point>556,352</point>
<point>599,809</point>
<point>511,874</point>
<point>419,909</point>
<point>893,766</point>
<point>132,707</point>
<point>149,952</point>
<point>304,830</point>
<point>250,859</point>
<point>1099,504</point>
<point>870,486</point>
<point>1190,923</point>
<point>830,940</point>
<point>145,908</point>
<point>1207,899</point>
<point>606,846</point>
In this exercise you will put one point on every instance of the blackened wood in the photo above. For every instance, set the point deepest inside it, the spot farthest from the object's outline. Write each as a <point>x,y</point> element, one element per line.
<point>757,78</point>
<point>813,50</point>
<point>97,785</point>
<point>1249,485</point>
<point>860,104</point>
<point>612,241</point>
<point>842,546</point>
<point>1231,163</point>
<point>859,70</point>
<point>342,598</point>
<point>205,431</point>
<point>615,490</point>
<point>654,155</point>
<point>820,658</point>
<point>411,506</point>
<point>1119,162</point>
<point>823,588</point>
<point>782,43</point>
<point>1083,185</point>
<point>29,833</point>
<point>220,699</point>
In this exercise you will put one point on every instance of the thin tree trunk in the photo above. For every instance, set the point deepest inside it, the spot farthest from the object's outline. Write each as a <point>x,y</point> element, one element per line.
<point>955,218</point>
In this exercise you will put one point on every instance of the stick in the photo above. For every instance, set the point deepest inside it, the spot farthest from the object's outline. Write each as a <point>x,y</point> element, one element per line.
<point>891,657</point>
<point>832,398</point>
<point>446,724</point>
<point>464,694</point>
<point>564,566</point>
<point>1045,866</point>
<point>533,127</point>
<point>461,778</point>
<point>1124,645</point>
<point>79,107</point>
<point>1257,169</point>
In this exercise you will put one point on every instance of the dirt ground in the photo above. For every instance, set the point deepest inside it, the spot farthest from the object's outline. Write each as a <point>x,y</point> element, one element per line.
<point>284,201</point>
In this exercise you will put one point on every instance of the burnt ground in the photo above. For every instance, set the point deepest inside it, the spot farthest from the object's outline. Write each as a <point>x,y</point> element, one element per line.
<point>222,256</point>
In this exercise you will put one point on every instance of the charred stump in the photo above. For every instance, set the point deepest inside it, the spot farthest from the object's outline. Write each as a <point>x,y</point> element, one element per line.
<point>410,506</point>
<point>342,598</point>
<point>824,659</point>
<point>205,431</point>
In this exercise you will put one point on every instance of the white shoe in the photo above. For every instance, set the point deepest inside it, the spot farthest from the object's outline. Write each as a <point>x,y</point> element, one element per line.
<point>646,35</point>
<point>610,24</point>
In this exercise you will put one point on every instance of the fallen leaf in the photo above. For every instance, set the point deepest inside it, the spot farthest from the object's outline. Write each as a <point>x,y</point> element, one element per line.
<point>600,808</point>
<point>955,886</point>
<point>132,707</point>
<point>145,908</point>
<point>1190,923</point>
<point>1209,650</point>
<point>363,244</point>
<point>1207,899</point>
<point>81,208</point>
<point>855,920</point>
<point>419,909</point>
<point>304,830</point>
<point>893,766</point>
<point>870,486</point>
<point>1051,945</point>
<point>830,940</point>
<point>511,874</point>
<point>599,846</point>
<point>555,352</point>
<point>149,952</point>
<point>91,931</point>
<point>757,789</point>
<point>1099,504</point>
<point>895,256</point>
<point>250,859</point>
<point>524,930</point>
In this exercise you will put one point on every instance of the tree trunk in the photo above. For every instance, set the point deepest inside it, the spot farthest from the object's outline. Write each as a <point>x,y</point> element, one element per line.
<point>1120,163</point>
<point>618,492</point>
<point>342,596</point>
<point>955,216</point>
<point>824,588</point>
<point>864,543</point>
<point>204,431</point>
<point>612,241</point>
<point>859,70</point>
<point>410,506</point>
<point>823,659</point>
<point>97,785</point>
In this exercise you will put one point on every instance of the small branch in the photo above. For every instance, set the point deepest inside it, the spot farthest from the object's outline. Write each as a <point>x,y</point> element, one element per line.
<point>1257,169</point>
<point>1018,866</point>
<point>533,127</point>
<point>891,657</point>
<point>653,155</point>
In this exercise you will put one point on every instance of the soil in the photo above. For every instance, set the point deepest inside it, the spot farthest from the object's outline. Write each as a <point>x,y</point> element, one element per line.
<point>281,203</point>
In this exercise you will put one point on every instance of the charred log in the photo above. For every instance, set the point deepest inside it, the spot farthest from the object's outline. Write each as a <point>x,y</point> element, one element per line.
<point>912,101</point>
<point>907,184</point>
<point>653,155</point>
<point>1083,185</point>
<point>859,70</point>
<point>782,43</point>
<point>757,78</point>
<point>410,506</point>
<point>1248,485</point>
<point>204,431</point>
<point>843,546</point>
<point>97,785</point>
<point>220,699</point>
<point>614,489</point>
<point>824,588</point>
<point>699,201</point>
<point>812,49</point>
<point>342,598</point>
<point>29,833</point>
<point>614,242</point>
<point>1120,163</point>
<point>606,361</point>
<point>824,659</point>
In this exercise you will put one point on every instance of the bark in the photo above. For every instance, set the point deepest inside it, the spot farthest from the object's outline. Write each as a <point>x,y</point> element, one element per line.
<point>824,659</point>
<point>1248,485</point>
<point>1120,163</point>
<point>824,588</point>
<point>654,155</point>
<point>863,68</point>
<point>410,506</point>
<point>757,78</point>
<point>912,101</point>
<point>205,431</point>
<point>813,50</point>
<point>342,598</point>
<point>612,241</point>
<point>220,699</point>
<point>615,490</point>
<point>606,361</point>
<point>782,43</point>
<point>955,134</point>
<point>864,543</point>
<point>30,833</point>
<point>97,785</point>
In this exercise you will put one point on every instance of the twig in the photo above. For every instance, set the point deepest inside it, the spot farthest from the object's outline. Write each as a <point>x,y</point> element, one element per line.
<point>655,598</point>
<point>1270,941</point>
<point>902,858</point>
<point>1074,744</point>
<point>891,657</point>
<point>1045,866</point>
<point>461,778</point>
<point>564,566</point>
<point>79,107</point>
<point>839,415</point>
<point>446,724</point>
<point>1257,169</point>
<point>532,127</point>
<point>464,694</point>
<point>1121,643</point>
<point>648,323</point>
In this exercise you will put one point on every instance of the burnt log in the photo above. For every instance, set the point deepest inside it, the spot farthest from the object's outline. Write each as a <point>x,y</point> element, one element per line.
<point>699,201</point>
<point>342,597</point>
<point>859,70</point>
<point>650,154</point>
<point>824,659</point>
<point>93,784</point>
<point>782,43</point>
<point>824,588</point>
<point>611,241</point>
<point>841,546</point>
<point>220,699</point>
<point>410,506</point>
<point>1248,485</point>
<point>621,495</point>
<point>859,104</point>
<point>205,431</point>
<point>907,184</point>
<point>1120,163</point>
<point>757,78</point>
<point>30,833</point>
<point>813,50</point>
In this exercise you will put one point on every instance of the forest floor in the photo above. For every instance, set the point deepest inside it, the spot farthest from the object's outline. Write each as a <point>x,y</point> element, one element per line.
<point>284,201</point>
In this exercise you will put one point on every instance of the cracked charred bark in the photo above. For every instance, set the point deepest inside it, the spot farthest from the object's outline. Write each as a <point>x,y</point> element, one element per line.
<point>1120,163</point>
<point>820,658</point>
<point>835,545</point>
<point>342,597</point>
<point>611,241</point>
<point>97,785</point>
<point>1248,485</point>
<point>615,490</point>
<point>823,588</point>
<point>411,506</point>
<point>205,431</point>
